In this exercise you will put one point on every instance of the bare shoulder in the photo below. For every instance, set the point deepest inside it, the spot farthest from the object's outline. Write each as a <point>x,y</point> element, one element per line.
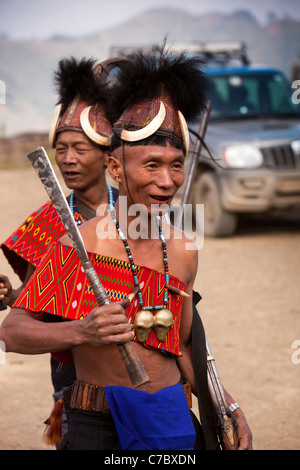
<point>182,240</point>
<point>88,232</point>
<point>183,249</point>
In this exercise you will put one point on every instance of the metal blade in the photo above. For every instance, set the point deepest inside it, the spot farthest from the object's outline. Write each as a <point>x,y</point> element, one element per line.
<point>40,162</point>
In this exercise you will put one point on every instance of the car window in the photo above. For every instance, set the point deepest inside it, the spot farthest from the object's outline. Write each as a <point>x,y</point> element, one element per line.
<point>241,95</point>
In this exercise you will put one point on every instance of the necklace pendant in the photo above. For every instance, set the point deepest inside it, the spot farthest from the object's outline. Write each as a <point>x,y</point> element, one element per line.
<point>163,321</point>
<point>143,322</point>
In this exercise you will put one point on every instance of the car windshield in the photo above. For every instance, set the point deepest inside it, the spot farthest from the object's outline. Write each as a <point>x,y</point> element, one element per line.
<point>252,95</point>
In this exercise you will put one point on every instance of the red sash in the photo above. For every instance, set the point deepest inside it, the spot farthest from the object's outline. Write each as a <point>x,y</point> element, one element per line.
<point>59,286</point>
<point>32,239</point>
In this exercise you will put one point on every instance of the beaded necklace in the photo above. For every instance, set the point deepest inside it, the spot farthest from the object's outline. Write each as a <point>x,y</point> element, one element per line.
<point>73,207</point>
<point>144,320</point>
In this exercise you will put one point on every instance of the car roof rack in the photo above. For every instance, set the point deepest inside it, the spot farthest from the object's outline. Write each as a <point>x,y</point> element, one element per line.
<point>221,51</point>
<point>218,51</point>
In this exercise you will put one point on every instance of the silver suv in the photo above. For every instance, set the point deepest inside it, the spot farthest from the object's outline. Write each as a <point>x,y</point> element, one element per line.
<point>254,136</point>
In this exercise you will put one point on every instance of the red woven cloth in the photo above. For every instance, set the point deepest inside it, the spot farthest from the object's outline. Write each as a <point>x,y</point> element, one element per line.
<point>60,287</point>
<point>31,240</point>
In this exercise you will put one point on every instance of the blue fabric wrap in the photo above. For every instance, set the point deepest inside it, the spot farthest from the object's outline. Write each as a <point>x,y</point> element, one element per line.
<point>151,421</point>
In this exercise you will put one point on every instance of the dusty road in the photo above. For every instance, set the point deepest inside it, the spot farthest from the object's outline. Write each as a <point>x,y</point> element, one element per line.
<point>250,285</point>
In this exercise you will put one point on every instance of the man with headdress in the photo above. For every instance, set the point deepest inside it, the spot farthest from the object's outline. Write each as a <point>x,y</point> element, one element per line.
<point>154,96</point>
<point>79,128</point>
<point>80,134</point>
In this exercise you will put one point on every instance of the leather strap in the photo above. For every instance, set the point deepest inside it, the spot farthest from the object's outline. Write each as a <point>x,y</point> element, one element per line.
<point>205,405</point>
<point>91,397</point>
<point>88,397</point>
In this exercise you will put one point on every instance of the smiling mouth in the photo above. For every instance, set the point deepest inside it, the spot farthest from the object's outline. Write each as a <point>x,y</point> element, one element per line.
<point>162,199</point>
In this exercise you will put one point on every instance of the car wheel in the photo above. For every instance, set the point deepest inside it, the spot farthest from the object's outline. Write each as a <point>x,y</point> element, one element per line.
<point>217,221</point>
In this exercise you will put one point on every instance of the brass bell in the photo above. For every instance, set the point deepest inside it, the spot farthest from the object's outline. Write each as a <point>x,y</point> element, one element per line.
<point>143,322</point>
<point>163,321</point>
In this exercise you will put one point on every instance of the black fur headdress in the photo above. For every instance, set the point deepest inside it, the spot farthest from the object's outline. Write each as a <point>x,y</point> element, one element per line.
<point>141,79</point>
<point>82,100</point>
<point>77,78</point>
<point>155,95</point>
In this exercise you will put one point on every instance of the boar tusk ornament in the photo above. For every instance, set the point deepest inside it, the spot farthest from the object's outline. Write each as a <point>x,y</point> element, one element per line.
<point>185,132</point>
<point>147,131</point>
<point>53,125</point>
<point>89,131</point>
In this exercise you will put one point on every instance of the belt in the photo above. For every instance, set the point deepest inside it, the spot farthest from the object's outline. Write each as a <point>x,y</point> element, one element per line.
<point>91,397</point>
<point>88,397</point>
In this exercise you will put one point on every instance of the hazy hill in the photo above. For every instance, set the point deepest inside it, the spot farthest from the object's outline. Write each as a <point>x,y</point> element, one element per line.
<point>26,67</point>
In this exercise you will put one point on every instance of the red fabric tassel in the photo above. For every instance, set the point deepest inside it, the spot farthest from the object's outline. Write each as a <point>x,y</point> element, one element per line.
<point>53,431</point>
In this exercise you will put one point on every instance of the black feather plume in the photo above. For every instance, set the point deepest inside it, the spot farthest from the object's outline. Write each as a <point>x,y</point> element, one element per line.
<point>76,77</point>
<point>141,78</point>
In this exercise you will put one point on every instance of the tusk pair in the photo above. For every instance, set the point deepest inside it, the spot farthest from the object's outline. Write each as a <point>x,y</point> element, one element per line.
<point>128,136</point>
<point>154,125</point>
<point>85,124</point>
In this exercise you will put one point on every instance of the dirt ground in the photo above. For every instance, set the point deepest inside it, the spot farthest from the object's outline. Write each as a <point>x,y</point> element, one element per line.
<point>250,308</point>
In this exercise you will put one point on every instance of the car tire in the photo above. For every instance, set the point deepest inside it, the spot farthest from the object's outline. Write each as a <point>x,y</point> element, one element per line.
<point>217,221</point>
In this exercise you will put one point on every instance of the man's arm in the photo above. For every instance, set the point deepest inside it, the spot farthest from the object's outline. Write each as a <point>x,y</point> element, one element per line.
<point>244,433</point>
<point>24,334</point>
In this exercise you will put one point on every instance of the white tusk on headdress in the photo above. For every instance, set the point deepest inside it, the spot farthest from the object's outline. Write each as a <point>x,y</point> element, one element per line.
<point>184,131</point>
<point>89,131</point>
<point>150,129</point>
<point>53,125</point>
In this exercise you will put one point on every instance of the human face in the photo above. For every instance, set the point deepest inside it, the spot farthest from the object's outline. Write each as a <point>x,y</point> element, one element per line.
<point>154,173</point>
<point>81,163</point>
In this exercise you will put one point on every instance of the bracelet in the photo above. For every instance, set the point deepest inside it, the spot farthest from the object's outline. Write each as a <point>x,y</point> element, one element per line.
<point>233,407</point>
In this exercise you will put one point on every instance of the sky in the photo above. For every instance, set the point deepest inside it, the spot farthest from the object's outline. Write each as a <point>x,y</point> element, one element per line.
<point>28,19</point>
